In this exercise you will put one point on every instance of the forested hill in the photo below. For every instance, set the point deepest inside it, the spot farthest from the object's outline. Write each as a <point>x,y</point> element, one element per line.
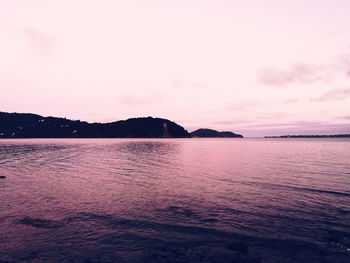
<point>209,133</point>
<point>26,125</point>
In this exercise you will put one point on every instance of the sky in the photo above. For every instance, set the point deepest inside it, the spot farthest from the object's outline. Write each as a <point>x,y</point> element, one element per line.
<point>253,67</point>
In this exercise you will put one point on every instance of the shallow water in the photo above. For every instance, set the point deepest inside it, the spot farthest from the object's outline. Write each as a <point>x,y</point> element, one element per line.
<point>175,200</point>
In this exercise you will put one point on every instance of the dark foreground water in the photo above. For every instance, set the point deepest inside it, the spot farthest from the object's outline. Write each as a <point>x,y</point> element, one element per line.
<point>180,200</point>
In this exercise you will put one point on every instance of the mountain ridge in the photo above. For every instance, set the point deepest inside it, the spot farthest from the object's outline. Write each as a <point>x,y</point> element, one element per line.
<point>29,125</point>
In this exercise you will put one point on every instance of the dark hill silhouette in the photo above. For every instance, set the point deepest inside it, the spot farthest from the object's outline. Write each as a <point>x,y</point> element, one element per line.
<point>26,125</point>
<point>208,133</point>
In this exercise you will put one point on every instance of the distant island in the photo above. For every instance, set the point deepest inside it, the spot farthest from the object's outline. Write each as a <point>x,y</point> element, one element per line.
<point>28,125</point>
<point>312,136</point>
<point>208,133</point>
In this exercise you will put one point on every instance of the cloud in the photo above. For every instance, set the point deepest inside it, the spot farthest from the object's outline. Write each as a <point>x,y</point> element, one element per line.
<point>342,63</point>
<point>345,117</point>
<point>297,73</point>
<point>305,73</point>
<point>42,43</point>
<point>275,77</point>
<point>336,94</point>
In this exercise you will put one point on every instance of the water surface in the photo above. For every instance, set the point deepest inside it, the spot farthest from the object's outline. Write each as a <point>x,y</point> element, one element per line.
<point>175,200</point>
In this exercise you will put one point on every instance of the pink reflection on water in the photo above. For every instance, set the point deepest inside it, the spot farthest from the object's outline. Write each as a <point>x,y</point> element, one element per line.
<point>147,187</point>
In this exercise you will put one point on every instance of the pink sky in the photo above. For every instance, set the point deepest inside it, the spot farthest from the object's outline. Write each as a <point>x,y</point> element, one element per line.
<point>254,67</point>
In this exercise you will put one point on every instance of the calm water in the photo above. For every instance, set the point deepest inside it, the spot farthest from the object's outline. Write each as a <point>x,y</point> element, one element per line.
<point>176,200</point>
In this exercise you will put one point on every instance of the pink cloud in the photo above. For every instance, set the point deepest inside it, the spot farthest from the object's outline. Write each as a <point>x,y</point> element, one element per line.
<point>342,63</point>
<point>275,77</point>
<point>43,43</point>
<point>297,73</point>
<point>304,73</point>
<point>336,94</point>
<point>346,117</point>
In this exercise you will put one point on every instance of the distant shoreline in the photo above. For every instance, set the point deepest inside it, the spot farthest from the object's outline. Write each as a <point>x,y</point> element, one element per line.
<point>311,136</point>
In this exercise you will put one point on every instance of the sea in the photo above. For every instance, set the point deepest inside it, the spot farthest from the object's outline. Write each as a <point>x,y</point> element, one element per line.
<point>206,200</point>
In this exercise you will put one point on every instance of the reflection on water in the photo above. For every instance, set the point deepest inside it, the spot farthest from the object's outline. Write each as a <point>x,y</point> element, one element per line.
<point>175,200</point>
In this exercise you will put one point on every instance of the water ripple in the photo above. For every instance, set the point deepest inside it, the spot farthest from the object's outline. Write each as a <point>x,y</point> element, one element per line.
<point>174,200</point>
